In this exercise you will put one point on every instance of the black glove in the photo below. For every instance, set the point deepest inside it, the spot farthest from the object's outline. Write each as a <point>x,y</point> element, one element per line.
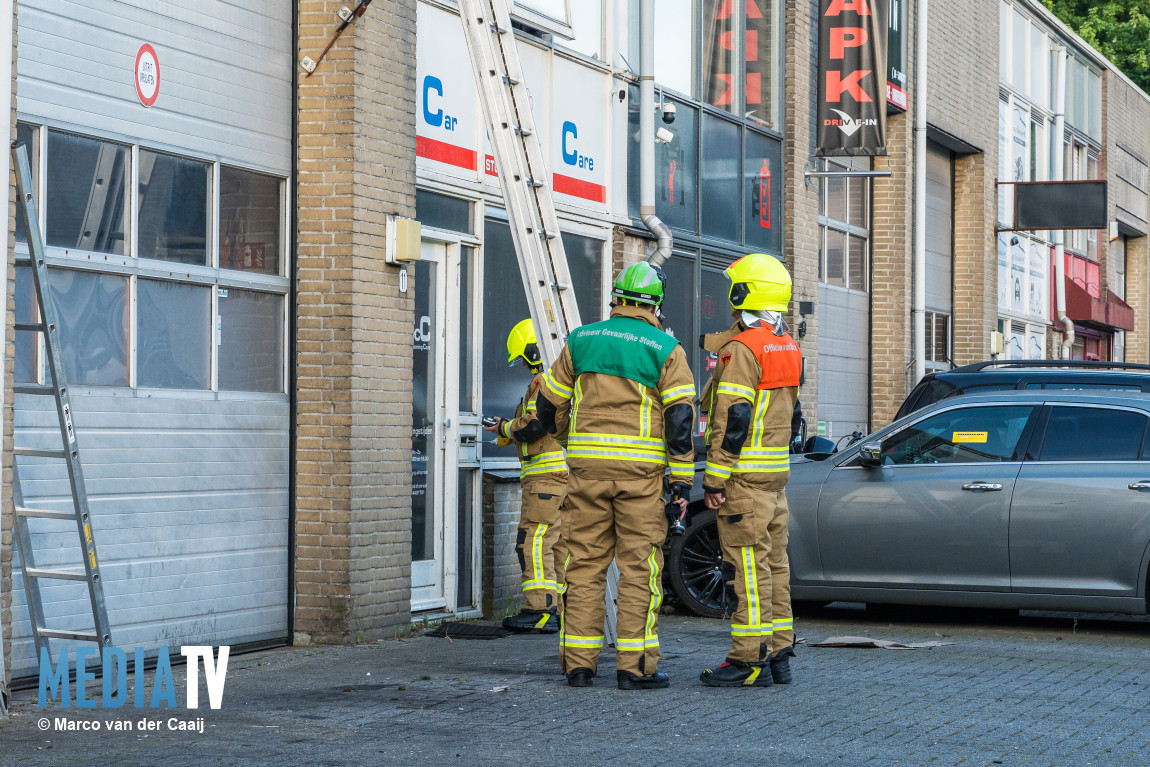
<point>680,490</point>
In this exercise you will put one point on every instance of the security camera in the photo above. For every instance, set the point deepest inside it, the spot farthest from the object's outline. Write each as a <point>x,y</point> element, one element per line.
<point>663,136</point>
<point>668,112</point>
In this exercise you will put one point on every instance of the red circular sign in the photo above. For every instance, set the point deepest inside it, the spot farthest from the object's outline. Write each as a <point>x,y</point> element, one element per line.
<point>147,75</point>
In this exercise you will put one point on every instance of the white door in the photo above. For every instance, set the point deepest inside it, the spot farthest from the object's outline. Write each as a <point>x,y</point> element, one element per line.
<point>444,437</point>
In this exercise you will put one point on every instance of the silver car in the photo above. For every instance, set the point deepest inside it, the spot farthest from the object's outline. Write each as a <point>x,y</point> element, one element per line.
<point>1030,499</point>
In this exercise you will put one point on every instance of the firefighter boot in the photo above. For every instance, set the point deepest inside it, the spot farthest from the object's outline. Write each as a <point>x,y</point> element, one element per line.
<point>580,677</point>
<point>542,621</point>
<point>781,666</point>
<point>629,681</point>
<point>735,673</point>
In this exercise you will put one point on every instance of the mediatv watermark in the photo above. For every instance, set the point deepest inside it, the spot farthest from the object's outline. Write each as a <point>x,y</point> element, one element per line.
<point>54,681</point>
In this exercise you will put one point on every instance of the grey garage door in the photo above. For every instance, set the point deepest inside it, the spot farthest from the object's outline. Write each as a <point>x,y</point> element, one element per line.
<point>180,374</point>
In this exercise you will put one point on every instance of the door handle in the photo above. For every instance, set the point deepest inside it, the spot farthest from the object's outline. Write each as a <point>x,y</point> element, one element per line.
<point>986,486</point>
<point>1143,485</point>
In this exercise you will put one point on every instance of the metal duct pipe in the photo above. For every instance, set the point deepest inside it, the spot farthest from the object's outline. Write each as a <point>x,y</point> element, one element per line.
<point>1059,174</point>
<point>920,195</point>
<point>647,135</point>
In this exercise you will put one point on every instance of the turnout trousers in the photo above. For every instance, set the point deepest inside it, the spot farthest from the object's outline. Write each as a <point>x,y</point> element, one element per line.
<point>624,520</point>
<point>753,534</point>
<point>539,543</point>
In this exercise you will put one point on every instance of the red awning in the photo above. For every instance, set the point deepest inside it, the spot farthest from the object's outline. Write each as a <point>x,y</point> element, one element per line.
<point>1085,309</point>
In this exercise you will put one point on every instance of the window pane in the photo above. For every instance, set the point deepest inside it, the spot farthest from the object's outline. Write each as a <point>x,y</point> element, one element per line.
<point>857,264</point>
<point>173,209</point>
<point>85,188</point>
<point>764,193</point>
<point>941,338</point>
<point>424,352</point>
<point>466,347</point>
<point>1094,106</point>
<point>675,51</point>
<point>587,21</point>
<point>675,163</point>
<point>856,199</point>
<point>964,435</point>
<point>442,211</point>
<point>505,305</point>
<point>1004,41</point>
<point>584,260</point>
<point>762,65</point>
<point>27,341</point>
<point>1018,36</point>
<point>835,196</point>
<point>251,355</point>
<point>26,135</point>
<point>679,298</point>
<point>1039,55</point>
<point>93,313</point>
<point>720,24</point>
<point>714,317</point>
<point>721,152</point>
<point>1093,434</point>
<point>250,221</point>
<point>173,333</point>
<point>835,248</point>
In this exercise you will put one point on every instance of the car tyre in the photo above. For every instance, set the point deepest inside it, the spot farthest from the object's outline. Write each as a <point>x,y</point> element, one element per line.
<point>694,568</point>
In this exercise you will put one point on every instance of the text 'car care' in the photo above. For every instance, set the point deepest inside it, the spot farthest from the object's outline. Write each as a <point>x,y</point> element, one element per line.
<point>54,680</point>
<point>571,155</point>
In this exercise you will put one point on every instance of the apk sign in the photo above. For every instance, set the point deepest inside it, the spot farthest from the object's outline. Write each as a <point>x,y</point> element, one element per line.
<point>851,111</point>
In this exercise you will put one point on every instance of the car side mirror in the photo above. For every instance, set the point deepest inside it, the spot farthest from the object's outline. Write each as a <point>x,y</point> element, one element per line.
<point>870,454</point>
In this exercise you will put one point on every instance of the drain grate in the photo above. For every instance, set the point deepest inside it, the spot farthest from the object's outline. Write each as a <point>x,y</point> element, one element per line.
<point>468,631</point>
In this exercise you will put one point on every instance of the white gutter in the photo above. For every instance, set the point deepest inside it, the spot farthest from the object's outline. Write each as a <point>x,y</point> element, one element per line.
<point>919,269</point>
<point>7,19</point>
<point>1059,174</point>
<point>647,134</point>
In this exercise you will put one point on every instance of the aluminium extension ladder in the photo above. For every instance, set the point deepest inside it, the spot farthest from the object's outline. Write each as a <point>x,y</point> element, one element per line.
<point>69,453</point>
<point>526,189</point>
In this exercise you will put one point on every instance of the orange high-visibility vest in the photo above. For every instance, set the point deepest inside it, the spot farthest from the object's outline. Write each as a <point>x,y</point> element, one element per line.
<point>778,356</point>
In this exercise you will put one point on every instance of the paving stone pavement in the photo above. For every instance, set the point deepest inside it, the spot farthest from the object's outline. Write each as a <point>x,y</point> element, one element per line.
<point>1036,689</point>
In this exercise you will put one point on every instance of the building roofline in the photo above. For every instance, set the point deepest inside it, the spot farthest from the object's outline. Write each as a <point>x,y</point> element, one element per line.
<point>1037,7</point>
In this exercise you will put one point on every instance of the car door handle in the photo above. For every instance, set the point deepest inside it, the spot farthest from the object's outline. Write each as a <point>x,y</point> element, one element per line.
<point>987,486</point>
<point>1143,485</point>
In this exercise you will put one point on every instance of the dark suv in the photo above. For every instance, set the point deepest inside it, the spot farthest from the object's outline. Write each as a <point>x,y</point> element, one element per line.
<point>983,377</point>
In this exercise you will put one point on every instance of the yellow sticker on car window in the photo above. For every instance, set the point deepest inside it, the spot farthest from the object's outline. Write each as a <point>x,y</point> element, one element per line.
<point>968,437</point>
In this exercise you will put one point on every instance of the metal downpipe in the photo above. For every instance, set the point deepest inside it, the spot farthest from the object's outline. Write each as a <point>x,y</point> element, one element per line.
<point>647,136</point>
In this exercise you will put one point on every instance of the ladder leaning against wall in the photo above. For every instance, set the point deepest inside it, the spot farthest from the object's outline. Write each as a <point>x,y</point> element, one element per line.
<point>526,189</point>
<point>88,571</point>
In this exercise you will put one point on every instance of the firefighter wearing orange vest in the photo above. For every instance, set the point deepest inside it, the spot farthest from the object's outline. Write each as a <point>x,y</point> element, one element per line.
<point>543,478</point>
<point>621,397</point>
<point>750,400</point>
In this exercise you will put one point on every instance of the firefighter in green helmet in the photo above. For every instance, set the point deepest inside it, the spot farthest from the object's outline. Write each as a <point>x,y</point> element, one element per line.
<point>543,477</point>
<point>621,397</point>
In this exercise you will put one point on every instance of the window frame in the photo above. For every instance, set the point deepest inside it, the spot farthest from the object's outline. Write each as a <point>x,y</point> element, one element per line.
<point>828,223</point>
<point>134,268</point>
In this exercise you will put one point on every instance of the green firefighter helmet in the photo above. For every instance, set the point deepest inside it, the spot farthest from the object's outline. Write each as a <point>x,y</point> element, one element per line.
<point>642,283</point>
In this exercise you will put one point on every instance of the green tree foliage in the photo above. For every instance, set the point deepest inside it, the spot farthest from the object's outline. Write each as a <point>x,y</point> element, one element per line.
<point>1118,29</point>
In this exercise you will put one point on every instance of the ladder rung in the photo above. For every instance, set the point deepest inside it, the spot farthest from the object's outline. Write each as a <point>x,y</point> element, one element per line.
<point>524,131</point>
<point>23,511</point>
<point>509,80</point>
<point>549,235</point>
<point>37,452</point>
<point>496,28</point>
<point>59,575</point>
<point>535,183</point>
<point>35,327</point>
<point>28,388</point>
<point>82,636</point>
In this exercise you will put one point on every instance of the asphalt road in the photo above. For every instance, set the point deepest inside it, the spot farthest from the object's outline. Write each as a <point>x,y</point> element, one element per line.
<point>1035,689</point>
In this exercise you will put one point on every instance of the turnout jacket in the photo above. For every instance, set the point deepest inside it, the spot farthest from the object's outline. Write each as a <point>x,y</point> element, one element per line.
<point>750,400</point>
<point>620,398</point>
<point>538,451</point>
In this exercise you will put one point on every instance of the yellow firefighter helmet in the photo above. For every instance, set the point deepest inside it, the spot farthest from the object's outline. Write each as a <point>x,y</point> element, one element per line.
<point>522,343</point>
<point>759,283</point>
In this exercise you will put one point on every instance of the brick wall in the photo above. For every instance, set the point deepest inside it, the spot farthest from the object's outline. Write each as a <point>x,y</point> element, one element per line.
<point>356,166</point>
<point>801,231</point>
<point>891,257</point>
<point>975,254</point>
<point>502,502</point>
<point>9,396</point>
<point>1125,114</point>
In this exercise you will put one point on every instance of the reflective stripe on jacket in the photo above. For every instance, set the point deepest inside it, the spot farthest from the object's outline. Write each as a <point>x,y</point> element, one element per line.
<point>538,451</point>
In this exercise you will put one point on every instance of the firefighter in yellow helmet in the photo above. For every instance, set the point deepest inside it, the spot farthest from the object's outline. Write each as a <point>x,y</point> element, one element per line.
<point>750,400</point>
<point>543,477</point>
<point>621,397</point>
